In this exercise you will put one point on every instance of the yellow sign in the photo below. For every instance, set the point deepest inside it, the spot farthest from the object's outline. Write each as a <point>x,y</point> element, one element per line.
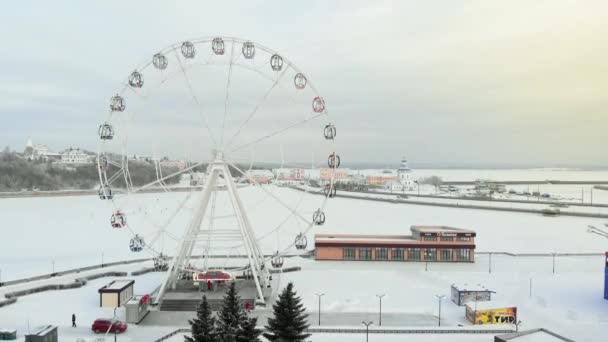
<point>492,316</point>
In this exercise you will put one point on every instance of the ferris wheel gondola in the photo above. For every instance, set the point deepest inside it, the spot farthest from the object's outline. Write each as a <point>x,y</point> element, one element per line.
<point>318,217</point>
<point>277,260</point>
<point>137,244</point>
<point>118,220</point>
<point>301,242</point>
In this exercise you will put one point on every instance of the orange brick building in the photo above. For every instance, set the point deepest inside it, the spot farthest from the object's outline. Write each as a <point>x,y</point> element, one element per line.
<point>427,243</point>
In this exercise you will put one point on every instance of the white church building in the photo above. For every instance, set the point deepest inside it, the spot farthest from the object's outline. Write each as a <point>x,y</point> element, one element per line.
<point>404,181</point>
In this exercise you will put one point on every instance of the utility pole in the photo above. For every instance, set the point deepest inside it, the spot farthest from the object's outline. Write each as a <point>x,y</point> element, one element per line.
<point>319,295</point>
<point>380,315</point>
<point>367,324</point>
<point>439,298</point>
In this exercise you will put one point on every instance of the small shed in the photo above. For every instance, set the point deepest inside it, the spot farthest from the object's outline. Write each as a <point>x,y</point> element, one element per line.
<point>8,334</point>
<point>464,293</point>
<point>137,308</point>
<point>116,293</point>
<point>47,333</point>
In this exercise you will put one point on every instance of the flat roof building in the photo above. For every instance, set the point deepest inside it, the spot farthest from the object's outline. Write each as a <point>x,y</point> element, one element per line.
<point>116,293</point>
<point>427,243</point>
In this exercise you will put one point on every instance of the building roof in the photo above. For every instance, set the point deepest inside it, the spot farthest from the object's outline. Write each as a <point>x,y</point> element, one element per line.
<point>489,305</point>
<point>470,287</point>
<point>536,335</point>
<point>440,229</point>
<point>389,241</point>
<point>117,285</point>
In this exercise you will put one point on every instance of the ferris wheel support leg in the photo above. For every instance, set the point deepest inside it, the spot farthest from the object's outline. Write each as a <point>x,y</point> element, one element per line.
<point>187,243</point>
<point>256,261</point>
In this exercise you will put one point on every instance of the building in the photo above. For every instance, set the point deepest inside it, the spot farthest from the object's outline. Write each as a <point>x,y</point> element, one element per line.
<point>338,174</point>
<point>427,243</point>
<point>464,293</point>
<point>173,164</point>
<point>381,179</point>
<point>39,152</point>
<point>47,333</point>
<point>137,308</point>
<point>541,334</point>
<point>405,176</point>
<point>116,293</point>
<point>490,313</point>
<point>260,176</point>
<point>75,156</point>
<point>285,174</point>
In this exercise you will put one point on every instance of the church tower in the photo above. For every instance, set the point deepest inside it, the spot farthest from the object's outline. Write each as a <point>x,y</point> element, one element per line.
<point>405,175</point>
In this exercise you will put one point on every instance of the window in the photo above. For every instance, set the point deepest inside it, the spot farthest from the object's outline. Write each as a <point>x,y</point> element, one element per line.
<point>463,255</point>
<point>348,253</point>
<point>446,254</point>
<point>397,254</point>
<point>365,254</point>
<point>413,254</point>
<point>446,238</point>
<point>464,238</point>
<point>429,238</point>
<point>381,253</point>
<point>430,254</point>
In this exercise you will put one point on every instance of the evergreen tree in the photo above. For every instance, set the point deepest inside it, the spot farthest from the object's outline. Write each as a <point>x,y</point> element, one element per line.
<point>290,318</point>
<point>203,326</point>
<point>248,331</point>
<point>230,316</point>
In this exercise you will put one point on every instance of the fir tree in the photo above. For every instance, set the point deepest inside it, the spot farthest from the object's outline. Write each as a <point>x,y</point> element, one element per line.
<point>248,331</point>
<point>203,326</point>
<point>230,316</point>
<point>290,319</point>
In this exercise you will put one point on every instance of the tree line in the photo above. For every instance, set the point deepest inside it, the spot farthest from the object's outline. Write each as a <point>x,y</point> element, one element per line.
<point>234,324</point>
<point>18,173</point>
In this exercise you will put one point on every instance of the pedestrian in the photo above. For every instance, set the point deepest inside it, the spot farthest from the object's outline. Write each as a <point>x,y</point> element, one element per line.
<point>73,321</point>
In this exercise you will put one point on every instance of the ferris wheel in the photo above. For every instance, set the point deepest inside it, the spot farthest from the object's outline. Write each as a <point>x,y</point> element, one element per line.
<point>213,148</point>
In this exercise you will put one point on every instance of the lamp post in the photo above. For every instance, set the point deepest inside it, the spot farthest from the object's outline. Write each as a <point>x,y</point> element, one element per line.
<point>490,264</point>
<point>367,324</point>
<point>319,295</point>
<point>554,263</point>
<point>439,298</point>
<point>380,315</point>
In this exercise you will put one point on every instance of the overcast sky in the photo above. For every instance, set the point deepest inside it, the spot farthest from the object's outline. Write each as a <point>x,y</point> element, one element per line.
<point>447,82</point>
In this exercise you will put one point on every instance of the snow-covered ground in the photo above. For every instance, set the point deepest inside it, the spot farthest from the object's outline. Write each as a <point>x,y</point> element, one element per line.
<point>66,232</point>
<point>74,231</point>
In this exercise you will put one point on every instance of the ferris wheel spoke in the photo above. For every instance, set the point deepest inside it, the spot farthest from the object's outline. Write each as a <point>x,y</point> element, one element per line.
<point>257,106</point>
<point>275,197</point>
<point>277,132</point>
<point>174,174</point>
<point>195,98</point>
<point>227,96</point>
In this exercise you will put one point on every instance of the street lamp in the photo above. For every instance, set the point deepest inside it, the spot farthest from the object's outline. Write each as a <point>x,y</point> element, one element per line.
<point>439,298</point>
<point>380,315</point>
<point>319,295</point>
<point>367,324</point>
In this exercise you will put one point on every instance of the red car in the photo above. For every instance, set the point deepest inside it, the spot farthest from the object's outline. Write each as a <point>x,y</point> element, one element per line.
<point>102,325</point>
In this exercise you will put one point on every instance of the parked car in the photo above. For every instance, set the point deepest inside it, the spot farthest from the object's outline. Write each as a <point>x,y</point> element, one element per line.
<point>102,325</point>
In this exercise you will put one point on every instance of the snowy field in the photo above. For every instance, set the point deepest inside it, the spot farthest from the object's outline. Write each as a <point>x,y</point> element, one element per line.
<point>66,232</point>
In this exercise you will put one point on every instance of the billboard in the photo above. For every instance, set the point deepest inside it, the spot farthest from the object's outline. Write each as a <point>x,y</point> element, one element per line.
<point>505,315</point>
